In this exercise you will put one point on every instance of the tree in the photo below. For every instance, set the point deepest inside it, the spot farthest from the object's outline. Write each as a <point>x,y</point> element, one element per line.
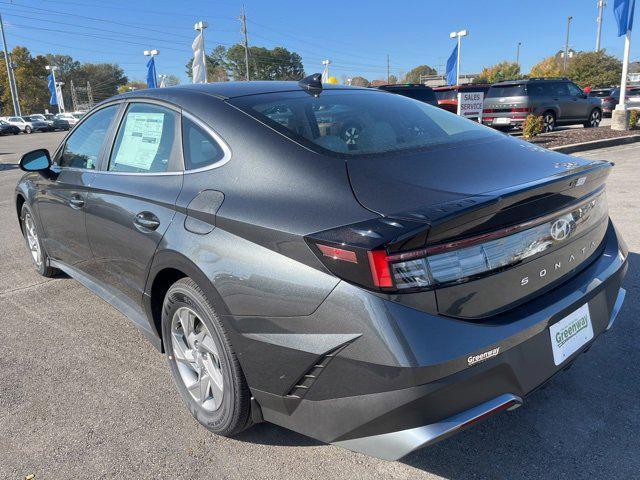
<point>393,79</point>
<point>360,82</point>
<point>171,81</point>
<point>548,67</point>
<point>216,71</point>
<point>413,76</point>
<point>133,85</point>
<point>31,82</point>
<point>499,72</point>
<point>596,69</point>
<point>105,78</point>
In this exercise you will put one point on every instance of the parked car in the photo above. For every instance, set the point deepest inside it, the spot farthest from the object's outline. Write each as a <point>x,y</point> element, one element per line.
<point>416,91</point>
<point>610,97</point>
<point>38,125</point>
<point>558,101</point>
<point>6,128</point>
<point>448,95</point>
<point>378,297</point>
<point>47,118</point>
<point>64,121</point>
<point>20,122</point>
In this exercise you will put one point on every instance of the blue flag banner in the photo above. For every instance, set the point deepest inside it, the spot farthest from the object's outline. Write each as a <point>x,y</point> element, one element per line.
<point>52,88</point>
<point>151,73</point>
<point>452,65</point>
<point>623,11</point>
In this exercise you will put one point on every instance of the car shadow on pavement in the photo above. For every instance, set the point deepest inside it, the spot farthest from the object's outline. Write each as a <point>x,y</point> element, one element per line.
<point>582,424</point>
<point>8,166</point>
<point>270,434</point>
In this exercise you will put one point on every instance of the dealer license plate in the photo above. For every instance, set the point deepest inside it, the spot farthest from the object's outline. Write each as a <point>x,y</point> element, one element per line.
<point>570,333</point>
<point>502,121</point>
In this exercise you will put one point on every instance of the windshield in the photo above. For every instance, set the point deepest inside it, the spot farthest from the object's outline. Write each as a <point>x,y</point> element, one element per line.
<point>515,90</point>
<point>360,122</point>
<point>446,94</point>
<point>600,93</point>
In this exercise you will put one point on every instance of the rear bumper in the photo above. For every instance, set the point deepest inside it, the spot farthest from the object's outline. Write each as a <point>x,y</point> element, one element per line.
<point>373,376</point>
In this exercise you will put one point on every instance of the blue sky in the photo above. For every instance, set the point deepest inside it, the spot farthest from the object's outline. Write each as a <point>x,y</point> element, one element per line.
<point>355,35</point>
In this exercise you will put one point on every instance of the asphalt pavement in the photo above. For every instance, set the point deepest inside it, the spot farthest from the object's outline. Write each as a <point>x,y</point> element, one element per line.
<point>83,395</point>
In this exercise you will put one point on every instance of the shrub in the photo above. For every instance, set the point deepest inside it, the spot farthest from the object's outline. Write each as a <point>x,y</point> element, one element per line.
<point>532,126</point>
<point>633,119</point>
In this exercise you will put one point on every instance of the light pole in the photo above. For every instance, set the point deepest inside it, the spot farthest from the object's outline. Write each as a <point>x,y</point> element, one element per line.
<point>12,81</point>
<point>458,35</point>
<point>57,87</point>
<point>518,54</point>
<point>152,53</point>
<point>200,26</point>
<point>325,71</point>
<point>601,5</point>
<point>566,46</point>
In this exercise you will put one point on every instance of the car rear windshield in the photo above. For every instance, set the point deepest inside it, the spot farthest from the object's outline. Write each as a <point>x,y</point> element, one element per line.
<point>446,94</point>
<point>360,122</point>
<point>600,93</point>
<point>515,90</point>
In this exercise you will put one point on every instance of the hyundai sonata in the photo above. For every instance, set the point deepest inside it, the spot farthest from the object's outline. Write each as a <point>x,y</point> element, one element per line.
<point>379,293</point>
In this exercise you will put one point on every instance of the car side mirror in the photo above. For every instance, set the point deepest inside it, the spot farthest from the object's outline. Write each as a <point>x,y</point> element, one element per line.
<point>36,161</point>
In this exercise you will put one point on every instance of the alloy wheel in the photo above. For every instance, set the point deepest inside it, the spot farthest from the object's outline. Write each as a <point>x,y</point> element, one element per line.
<point>32,239</point>
<point>595,118</point>
<point>548,122</point>
<point>197,357</point>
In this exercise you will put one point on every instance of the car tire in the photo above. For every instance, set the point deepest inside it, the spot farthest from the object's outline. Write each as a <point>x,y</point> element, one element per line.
<point>17,133</point>
<point>548,121</point>
<point>27,129</point>
<point>203,362</point>
<point>32,238</point>
<point>595,117</point>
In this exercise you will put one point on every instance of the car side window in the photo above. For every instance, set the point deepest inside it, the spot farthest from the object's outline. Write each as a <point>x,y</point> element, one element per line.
<point>82,148</point>
<point>200,150</point>
<point>146,140</point>
<point>574,90</point>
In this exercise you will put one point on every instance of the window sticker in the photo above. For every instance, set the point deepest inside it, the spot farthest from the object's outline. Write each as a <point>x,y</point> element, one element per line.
<point>140,141</point>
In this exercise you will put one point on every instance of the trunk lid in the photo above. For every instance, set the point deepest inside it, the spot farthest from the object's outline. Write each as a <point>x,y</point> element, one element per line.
<point>478,189</point>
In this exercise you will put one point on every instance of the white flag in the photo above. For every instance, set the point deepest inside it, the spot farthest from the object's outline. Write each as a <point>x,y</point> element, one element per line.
<point>199,68</point>
<point>325,72</point>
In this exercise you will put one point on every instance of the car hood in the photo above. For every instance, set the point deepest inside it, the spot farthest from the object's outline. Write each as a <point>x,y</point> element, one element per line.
<point>439,183</point>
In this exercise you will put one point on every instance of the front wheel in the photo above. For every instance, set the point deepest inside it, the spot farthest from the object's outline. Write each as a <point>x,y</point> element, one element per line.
<point>34,244</point>
<point>595,117</point>
<point>203,362</point>
<point>28,129</point>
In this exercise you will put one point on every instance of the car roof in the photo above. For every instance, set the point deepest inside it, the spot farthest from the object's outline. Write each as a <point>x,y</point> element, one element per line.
<point>399,86</point>
<point>225,90</point>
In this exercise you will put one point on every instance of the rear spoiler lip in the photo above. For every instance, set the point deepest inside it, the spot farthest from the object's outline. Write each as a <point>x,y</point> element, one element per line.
<point>447,216</point>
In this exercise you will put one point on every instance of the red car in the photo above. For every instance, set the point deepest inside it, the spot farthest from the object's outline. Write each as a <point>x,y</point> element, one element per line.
<point>448,95</point>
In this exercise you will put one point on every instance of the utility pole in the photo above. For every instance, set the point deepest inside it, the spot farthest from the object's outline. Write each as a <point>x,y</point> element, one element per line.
<point>89,94</point>
<point>243,19</point>
<point>388,76</point>
<point>518,54</point>
<point>601,5</point>
<point>12,81</point>
<point>566,46</point>
<point>74,98</point>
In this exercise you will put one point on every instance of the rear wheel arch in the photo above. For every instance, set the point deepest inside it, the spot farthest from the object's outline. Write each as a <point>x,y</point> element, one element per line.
<point>19,202</point>
<point>168,267</point>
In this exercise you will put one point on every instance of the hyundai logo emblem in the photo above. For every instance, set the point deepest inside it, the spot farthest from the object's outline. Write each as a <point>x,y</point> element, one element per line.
<point>560,229</point>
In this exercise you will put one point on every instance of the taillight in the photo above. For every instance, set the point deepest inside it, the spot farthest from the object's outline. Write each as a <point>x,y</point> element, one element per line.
<point>488,110</point>
<point>389,255</point>
<point>521,110</point>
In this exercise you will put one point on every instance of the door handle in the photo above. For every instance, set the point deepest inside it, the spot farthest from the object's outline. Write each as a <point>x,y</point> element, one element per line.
<point>76,201</point>
<point>146,220</point>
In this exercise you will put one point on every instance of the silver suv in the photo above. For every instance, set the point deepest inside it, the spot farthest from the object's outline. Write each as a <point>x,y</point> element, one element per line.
<point>558,101</point>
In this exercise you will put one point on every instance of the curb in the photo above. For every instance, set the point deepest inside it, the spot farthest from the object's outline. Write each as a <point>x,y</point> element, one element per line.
<point>595,144</point>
